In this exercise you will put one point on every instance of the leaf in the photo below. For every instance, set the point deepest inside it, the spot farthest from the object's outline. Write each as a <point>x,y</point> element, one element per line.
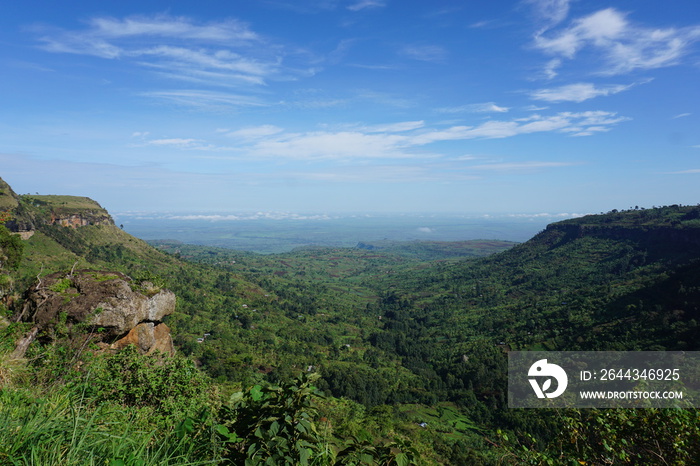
<point>256,393</point>
<point>304,455</point>
<point>274,428</point>
<point>185,427</point>
<point>402,460</point>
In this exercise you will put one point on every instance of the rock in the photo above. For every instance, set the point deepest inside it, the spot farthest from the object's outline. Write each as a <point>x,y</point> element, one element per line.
<point>148,338</point>
<point>109,305</point>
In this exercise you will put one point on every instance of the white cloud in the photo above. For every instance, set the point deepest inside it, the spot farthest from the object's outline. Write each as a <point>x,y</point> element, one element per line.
<point>550,12</point>
<point>255,132</point>
<point>168,26</point>
<point>550,69</point>
<point>429,53</point>
<point>685,172</point>
<point>178,142</point>
<point>223,53</point>
<point>396,127</point>
<point>623,46</point>
<point>682,115</point>
<point>407,139</point>
<point>328,145</point>
<point>209,100</point>
<point>486,107</point>
<point>577,92</point>
<point>363,4</point>
<point>400,140</point>
<point>520,166</point>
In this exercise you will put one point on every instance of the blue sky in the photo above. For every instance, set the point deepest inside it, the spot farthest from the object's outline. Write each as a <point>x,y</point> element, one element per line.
<point>353,105</point>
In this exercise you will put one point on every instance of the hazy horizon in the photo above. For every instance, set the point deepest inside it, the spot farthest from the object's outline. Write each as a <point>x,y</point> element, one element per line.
<point>271,232</point>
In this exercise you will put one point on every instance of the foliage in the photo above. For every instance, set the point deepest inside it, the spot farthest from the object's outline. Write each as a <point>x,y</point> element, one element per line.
<point>171,386</point>
<point>276,424</point>
<point>11,248</point>
<point>616,436</point>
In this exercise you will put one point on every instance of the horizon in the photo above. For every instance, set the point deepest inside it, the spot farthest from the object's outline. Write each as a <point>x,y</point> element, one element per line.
<point>353,105</point>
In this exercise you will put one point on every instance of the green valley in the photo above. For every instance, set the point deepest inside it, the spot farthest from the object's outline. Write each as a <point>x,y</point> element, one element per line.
<point>388,353</point>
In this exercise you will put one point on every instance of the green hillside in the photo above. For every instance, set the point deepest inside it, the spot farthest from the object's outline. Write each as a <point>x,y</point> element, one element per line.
<point>408,343</point>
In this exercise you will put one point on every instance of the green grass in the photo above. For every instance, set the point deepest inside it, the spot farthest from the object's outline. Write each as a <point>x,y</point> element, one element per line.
<point>57,429</point>
<point>63,202</point>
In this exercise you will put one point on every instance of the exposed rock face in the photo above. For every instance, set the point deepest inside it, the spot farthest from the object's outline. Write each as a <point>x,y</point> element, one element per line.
<point>82,219</point>
<point>109,305</point>
<point>31,212</point>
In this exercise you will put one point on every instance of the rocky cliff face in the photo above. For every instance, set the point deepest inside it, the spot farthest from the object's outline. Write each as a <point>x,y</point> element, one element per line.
<point>108,306</point>
<point>30,212</point>
<point>81,219</point>
<point>657,239</point>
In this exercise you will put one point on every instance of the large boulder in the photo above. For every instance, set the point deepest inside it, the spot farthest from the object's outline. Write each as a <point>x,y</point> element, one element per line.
<point>109,306</point>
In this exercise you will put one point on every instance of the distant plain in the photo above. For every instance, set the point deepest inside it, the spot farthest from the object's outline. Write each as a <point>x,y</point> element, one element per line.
<point>275,233</point>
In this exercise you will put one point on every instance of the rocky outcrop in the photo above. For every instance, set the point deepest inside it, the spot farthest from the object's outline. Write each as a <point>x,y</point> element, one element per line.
<point>80,219</point>
<point>108,306</point>
<point>28,213</point>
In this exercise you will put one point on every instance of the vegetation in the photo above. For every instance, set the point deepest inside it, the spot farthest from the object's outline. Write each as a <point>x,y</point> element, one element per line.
<point>394,354</point>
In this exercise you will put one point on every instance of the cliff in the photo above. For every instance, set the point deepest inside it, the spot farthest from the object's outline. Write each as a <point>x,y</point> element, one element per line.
<point>663,232</point>
<point>31,212</point>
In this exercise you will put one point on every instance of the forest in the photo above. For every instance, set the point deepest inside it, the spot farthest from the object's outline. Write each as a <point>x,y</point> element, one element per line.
<point>367,355</point>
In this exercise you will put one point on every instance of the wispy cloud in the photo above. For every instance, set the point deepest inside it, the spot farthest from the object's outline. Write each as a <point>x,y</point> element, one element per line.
<point>222,53</point>
<point>364,4</point>
<point>396,127</point>
<point>681,115</point>
<point>429,53</point>
<point>486,107</point>
<point>577,92</point>
<point>391,141</point>
<point>550,12</point>
<point>622,45</point>
<point>255,132</point>
<point>177,142</point>
<point>521,166</point>
<point>205,100</point>
<point>550,69</point>
<point>685,172</point>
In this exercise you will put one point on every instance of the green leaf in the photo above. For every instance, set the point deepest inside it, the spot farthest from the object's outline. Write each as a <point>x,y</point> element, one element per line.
<point>274,428</point>
<point>304,455</point>
<point>185,427</point>
<point>402,460</point>
<point>256,393</point>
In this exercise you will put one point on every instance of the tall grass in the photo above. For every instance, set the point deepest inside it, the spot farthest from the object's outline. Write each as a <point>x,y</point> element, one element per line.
<point>57,429</point>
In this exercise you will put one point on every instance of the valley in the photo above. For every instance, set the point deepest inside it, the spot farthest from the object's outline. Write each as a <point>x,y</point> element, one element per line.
<point>394,352</point>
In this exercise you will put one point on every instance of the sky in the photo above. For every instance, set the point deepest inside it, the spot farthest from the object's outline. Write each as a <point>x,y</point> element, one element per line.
<point>353,105</point>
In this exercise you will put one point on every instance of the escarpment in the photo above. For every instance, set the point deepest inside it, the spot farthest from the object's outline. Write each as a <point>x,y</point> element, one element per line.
<point>108,308</point>
<point>29,213</point>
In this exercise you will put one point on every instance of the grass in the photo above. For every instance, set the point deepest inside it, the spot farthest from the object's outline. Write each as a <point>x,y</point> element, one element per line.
<point>58,429</point>
<point>63,202</point>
